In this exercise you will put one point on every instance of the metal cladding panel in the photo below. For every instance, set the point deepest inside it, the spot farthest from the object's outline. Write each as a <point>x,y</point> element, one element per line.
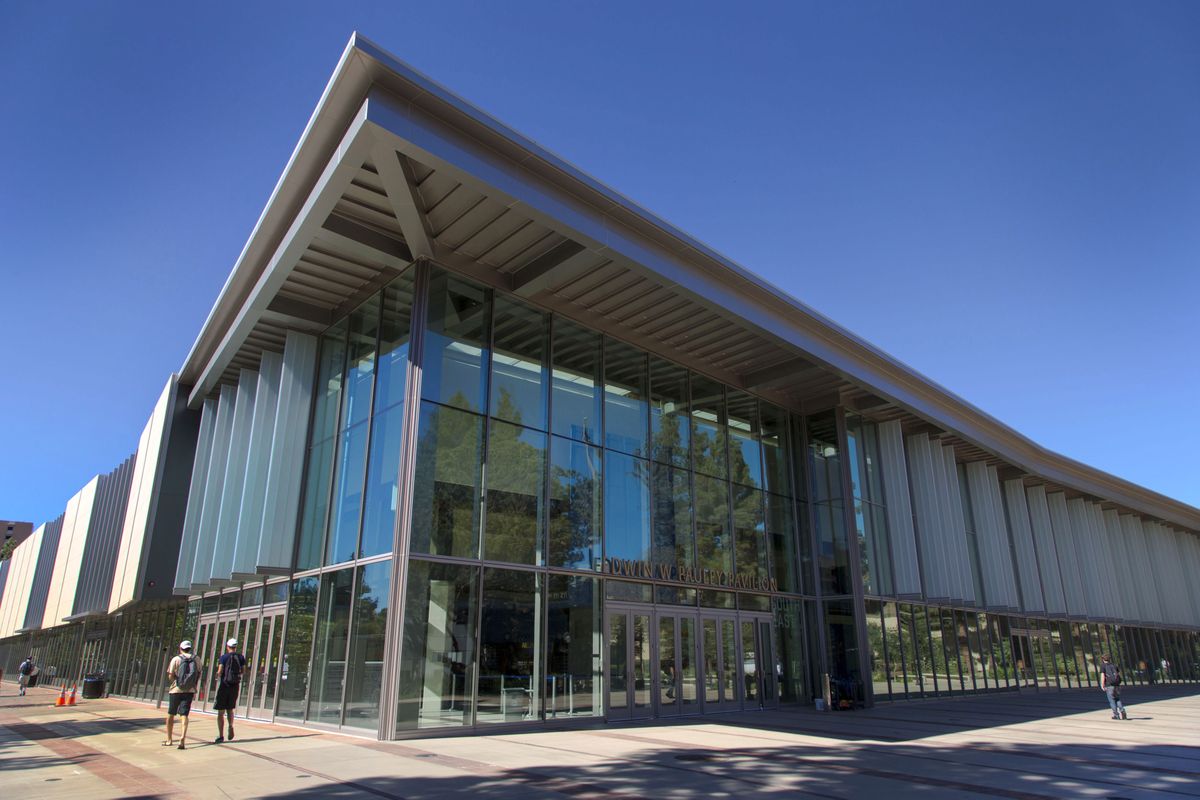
<point>1021,531</point>
<point>258,463</point>
<point>281,503</point>
<point>1189,549</point>
<point>1179,581</point>
<point>15,600</point>
<point>1161,582</point>
<point>104,538</point>
<point>61,597</point>
<point>1064,544</point>
<point>1047,556</point>
<point>137,507</point>
<point>992,536</point>
<point>3,584</point>
<point>39,585</point>
<point>195,500</point>
<point>1085,554</point>
<point>234,484</point>
<point>933,545</point>
<point>962,569</point>
<point>12,586</point>
<point>1122,565</point>
<point>907,574</point>
<point>214,480</point>
<point>1135,544</point>
<point>1106,555</point>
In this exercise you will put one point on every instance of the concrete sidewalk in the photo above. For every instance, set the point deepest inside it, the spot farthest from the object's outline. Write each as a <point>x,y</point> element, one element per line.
<point>1028,746</point>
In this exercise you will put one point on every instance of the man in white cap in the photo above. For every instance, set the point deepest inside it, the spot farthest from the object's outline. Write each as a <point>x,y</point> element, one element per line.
<point>184,674</point>
<point>230,667</point>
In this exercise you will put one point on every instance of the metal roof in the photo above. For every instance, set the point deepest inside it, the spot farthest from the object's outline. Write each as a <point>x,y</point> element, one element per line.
<point>393,167</point>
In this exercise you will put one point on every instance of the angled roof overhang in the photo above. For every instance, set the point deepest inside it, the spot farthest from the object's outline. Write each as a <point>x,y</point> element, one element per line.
<point>393,167</point>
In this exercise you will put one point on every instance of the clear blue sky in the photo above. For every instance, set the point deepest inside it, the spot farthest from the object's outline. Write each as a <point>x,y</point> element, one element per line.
<point>1005,196</point>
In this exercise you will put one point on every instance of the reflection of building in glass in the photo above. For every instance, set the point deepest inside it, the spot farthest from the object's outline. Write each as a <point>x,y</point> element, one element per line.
<point>469,441</point>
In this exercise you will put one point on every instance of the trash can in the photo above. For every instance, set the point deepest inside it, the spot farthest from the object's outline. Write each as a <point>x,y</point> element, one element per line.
<point>33,680</point>
<point>93,687</point>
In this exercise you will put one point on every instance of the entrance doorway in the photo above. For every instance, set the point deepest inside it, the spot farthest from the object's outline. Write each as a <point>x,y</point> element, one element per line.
<point>672,662</point>
<point>260,640</point>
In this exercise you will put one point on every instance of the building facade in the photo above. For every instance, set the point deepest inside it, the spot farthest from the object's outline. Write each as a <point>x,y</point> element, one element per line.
<point>470,441</point>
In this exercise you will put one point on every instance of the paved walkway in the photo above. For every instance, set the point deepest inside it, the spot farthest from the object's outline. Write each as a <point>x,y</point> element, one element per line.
<point>1031,746</point>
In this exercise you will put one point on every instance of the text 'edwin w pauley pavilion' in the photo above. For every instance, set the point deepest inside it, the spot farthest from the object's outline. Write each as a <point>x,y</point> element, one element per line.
<point>469,439</point>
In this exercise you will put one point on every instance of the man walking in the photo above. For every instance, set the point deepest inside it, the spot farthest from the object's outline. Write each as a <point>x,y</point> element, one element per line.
<point>24,672</point>
<point>230,667</point>
<point>1110,683</point>
<point>184,674</point>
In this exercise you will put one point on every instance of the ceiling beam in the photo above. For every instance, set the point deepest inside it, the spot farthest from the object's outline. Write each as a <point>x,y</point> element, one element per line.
<point>397,178</point>
<point>776,372</point>
<point>364,243</point>
<point>300,311</point>
<point>537,274</point>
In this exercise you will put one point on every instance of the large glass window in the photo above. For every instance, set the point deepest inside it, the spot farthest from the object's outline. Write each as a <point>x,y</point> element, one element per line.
<point>360,365</point>
<point>745,456</point>
<point>394,334</point>
<point>833,543</point>
<point>383,488</point>
<point>446,482</point>
<point>781,533</point>
<point>519,365</point>
<point>708,427</point>
<point>714,545</point>
<point>573,641</point>
<point>749,531</point>
<point>669,428</point>
<point>372,589</point>
<point>347,500</point>
<point>516,476</point>
<point>575,401</point>
<point>329,651</point>
<point>455,351</point>
<point>870,518</point>
<point>437,655</point>
<point>673,541</point>
<point>297,651</point>
<point>509,670</point>
<point>574,505</point>
<point>842,643</point>
<point>626,507</point>
<point>774,438</point>
<point>625,408</point>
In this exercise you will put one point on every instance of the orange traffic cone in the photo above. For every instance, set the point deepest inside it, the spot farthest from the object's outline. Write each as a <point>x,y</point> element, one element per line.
<point>71,696</point>
<point>62,697</point>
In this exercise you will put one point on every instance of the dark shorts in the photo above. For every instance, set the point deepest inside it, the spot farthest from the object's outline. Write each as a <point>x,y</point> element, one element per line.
<point>227,697</point>
<point>180,703</point>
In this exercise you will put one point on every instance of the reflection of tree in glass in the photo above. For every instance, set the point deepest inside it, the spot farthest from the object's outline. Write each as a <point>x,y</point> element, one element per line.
<point>514,492</point>
<point>574,504</point>
<point>446,489</point>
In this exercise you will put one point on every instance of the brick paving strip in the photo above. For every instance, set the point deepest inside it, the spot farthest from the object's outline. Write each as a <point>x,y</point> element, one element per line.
<point>134,781</point>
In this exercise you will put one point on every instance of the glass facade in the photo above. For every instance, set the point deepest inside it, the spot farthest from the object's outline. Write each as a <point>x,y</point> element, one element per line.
<point>574,528</point>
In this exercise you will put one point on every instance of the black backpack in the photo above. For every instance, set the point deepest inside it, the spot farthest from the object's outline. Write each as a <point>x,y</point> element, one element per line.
<point>26,667</point>
<point>1112,675</point>
<point>232,674</point>
<point>188,675</point>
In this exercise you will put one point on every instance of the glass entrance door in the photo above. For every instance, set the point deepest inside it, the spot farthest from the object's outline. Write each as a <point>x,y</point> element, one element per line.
<point>630,683</point>
<point>720,664</point>
<point>262,666</point>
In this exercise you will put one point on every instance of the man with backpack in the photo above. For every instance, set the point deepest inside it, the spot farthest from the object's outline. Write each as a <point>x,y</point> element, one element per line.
<point>1110,683</point>
<point>184,674</point>
<point>230,667</point>
<point>24,672</point>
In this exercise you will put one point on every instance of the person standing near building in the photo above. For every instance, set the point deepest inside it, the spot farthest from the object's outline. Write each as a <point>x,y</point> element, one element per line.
<point>230,667</point>
<point>1110,683</point>
<point>184,674</point>
<point>24,672</point>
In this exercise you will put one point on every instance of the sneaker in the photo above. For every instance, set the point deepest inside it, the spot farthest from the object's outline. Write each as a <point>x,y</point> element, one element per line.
<point>1114,717</point>
<point>231,734</point>
<point>220,739</point>
<point>1123,716</point>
